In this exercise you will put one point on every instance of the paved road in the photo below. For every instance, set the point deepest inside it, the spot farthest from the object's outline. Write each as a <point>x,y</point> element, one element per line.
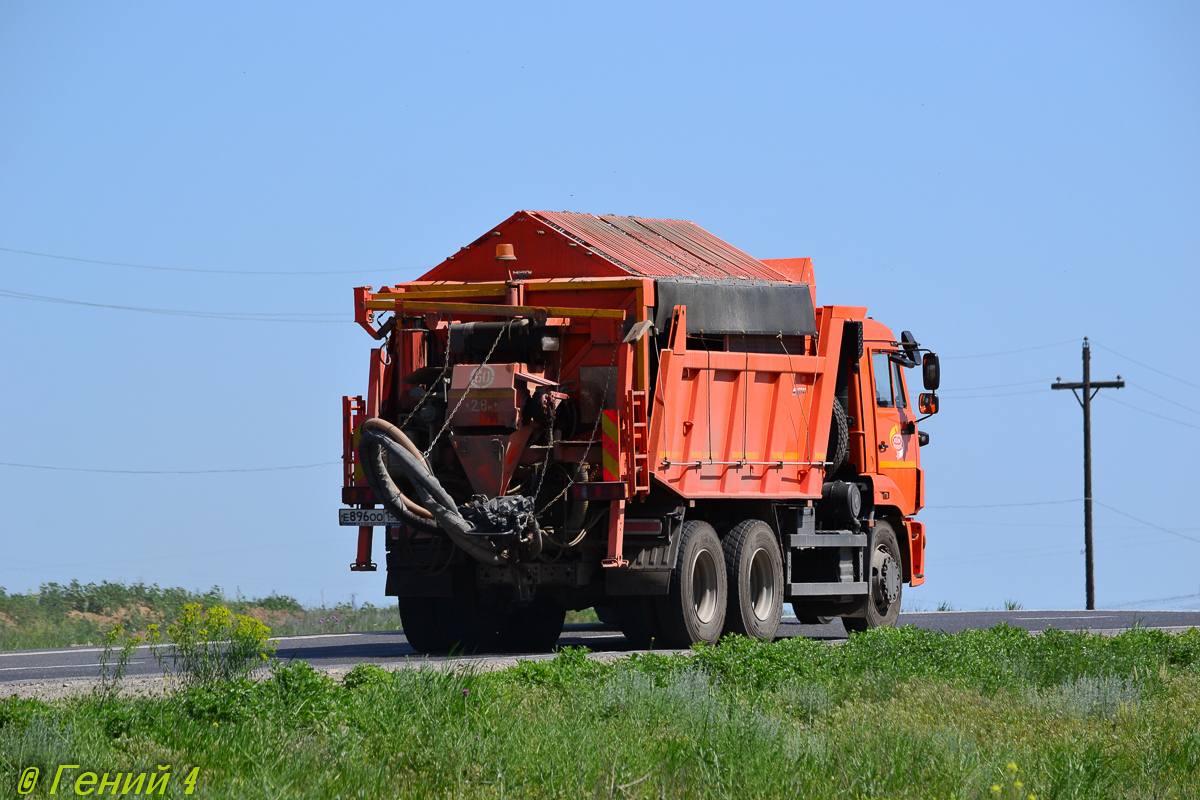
<point>390,648</point>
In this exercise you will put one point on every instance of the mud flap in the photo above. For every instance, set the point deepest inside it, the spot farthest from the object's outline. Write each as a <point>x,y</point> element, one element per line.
<point>916,552</point>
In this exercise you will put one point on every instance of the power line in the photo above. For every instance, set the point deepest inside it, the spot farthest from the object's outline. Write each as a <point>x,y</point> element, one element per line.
<point>979,523</point>
<point>170,556</point>
<point>993,386</point>
<point>1151,413</point>
<point>1058,549</point>
<point>1148,524</point>
<point>1157,600</point>
<point>1147,366</point>
<point>238,316</point>
<point>209,271</point>
<point>1016,505</point>
<point>1010,352</point>
<point>993,394</point>
<point>1106,545</point>
<point>1167,399</point>
<point>167,471</point>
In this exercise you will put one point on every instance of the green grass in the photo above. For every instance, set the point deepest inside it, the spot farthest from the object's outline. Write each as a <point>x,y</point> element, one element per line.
<point>890,713</point>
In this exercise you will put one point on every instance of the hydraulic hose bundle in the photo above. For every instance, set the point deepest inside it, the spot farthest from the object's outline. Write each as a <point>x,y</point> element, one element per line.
<point>383,445</point>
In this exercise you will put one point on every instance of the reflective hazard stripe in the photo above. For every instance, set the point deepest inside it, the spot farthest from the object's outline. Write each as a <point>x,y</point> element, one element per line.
<point>611,445</point>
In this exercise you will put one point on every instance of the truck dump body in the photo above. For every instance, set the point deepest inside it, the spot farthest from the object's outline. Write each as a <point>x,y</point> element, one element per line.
<point>602,391</point>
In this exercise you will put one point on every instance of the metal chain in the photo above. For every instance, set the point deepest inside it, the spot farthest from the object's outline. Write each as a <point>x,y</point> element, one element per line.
<point>467,391</point>
<point>440,378</point>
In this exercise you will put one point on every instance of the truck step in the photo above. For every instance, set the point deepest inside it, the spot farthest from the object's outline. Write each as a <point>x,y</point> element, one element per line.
<point>826,589</point>
<point>845,539</point>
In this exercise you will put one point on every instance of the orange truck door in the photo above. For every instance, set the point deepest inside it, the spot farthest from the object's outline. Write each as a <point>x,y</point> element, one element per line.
<point>898,456</point>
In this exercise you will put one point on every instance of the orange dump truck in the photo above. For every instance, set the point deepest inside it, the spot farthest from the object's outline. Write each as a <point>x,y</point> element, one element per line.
<point>634,416</point>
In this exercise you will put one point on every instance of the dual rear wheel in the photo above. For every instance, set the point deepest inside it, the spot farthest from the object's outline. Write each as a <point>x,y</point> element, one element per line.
<point>476,620</point>
<point>734,585</point>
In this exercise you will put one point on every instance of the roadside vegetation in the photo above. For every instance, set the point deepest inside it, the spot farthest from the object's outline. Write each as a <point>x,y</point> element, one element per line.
<point>61,615</point>
<point>889,713</point>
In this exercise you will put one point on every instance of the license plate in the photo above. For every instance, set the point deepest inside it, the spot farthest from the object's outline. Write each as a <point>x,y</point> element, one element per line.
<point>366,517</point>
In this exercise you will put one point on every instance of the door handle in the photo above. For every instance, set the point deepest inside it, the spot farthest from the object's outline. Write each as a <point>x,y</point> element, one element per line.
<point>883,446</point>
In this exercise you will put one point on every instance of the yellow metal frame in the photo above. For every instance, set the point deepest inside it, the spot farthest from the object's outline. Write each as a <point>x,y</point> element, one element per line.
<point>496,310</point>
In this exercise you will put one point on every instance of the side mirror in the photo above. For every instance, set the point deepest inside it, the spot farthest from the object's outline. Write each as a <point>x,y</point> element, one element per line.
<point>931,371</point>
<point>928,402</point>
<point>909,345</point>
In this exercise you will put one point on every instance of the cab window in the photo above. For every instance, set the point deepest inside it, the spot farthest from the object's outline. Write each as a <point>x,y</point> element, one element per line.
<point>883,384</point>
<point>898,385</point>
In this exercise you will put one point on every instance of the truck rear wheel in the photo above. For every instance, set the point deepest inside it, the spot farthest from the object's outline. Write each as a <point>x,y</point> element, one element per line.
<point>637,616</point>
<point>418,616</point>
<point>472,621</point>
<point>694,608</point>
<point>754,574</point>
<point>884,584</point>
<point>533,629</point>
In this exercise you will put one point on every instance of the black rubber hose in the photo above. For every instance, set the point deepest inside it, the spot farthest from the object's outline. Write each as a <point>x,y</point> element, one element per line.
<point>434,498</point>
<point>372,456</point>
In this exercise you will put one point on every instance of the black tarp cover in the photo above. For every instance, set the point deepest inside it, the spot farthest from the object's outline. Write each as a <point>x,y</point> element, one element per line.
<point>727,307</point>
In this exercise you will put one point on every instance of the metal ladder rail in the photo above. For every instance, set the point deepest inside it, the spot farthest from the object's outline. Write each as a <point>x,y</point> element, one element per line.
<point>639,438</point>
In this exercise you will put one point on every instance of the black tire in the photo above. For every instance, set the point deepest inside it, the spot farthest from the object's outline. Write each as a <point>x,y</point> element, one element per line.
<point>754,575</point>
<point>637,617</point>
<point>839,440</point>
<point>473,619</point>
<point>808,618</point>
<point>694,608</point>
<point>534,629</point>
<point>885,583</point>
<point>418,616</point>
<point>608,616</point>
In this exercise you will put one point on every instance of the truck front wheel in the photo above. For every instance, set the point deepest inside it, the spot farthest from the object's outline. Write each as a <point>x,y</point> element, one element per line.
<point>884,583</point>
<point>754,573</point>
<point>694,608</point>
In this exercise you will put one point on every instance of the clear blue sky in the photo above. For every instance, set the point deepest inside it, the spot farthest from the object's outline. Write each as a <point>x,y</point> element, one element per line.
<point>993,178</point>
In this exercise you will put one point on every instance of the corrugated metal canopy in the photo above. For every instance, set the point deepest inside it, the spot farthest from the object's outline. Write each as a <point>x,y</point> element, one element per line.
<point>659,248</point>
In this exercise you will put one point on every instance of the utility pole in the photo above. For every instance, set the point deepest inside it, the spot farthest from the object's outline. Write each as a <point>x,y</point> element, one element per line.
<point>1089,388</point>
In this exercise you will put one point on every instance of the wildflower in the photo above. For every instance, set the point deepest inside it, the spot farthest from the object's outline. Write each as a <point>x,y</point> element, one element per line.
<point>216,724</point>
<point>321,621</point>
<point>466,692</point>
<point>1012,766</point>
<point>1018,784</point>
<point>995,788</point>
